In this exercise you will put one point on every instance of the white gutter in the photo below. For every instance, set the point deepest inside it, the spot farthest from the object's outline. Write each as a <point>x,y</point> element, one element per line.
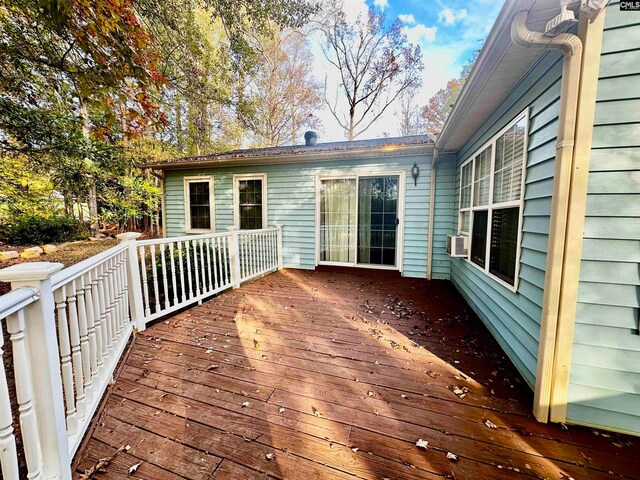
<point>432,206</point>
<point>571,46</point>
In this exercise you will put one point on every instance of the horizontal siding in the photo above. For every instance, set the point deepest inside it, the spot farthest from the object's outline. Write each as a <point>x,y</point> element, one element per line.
<point>514,318</point>
<point>444,210</point>
<point>604,385</point>
<point>291,201</point>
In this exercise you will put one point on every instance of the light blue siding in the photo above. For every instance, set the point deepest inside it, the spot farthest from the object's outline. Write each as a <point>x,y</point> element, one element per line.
<point>445,199</point>
<point>514,318</point>
<point>291,192</point>
<point>604,387</point>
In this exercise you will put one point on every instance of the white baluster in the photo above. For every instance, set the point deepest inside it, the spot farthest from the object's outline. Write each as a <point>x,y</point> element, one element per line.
<point>187,246</point>
<point>165,283</point>
<point>97,317</point>
<point>124,288</point>
<point>196,266</point>
<point>225,266</point>
<point>145,282</point>
<point>154,273</point>
<point>202,269</point>
<point>24,394</point>
<point>183,286</point>
<point>113,307</point>
<point>8,451</point>
<point>91,323</point>
<point>76,354</point>
<point>84,339</point>
<point>207,246</point>
<point>173,274</point>
<point>111,333</point>
<point>217,270</point>
<point>65,359</point>
<point>104,323</point>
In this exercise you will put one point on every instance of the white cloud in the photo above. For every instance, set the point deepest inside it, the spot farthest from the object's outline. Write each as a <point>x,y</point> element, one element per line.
<point>420,33</point>
<point>407,19</point>
<point>354,9</point>
<point>381,4</point>
<point>449,17</point>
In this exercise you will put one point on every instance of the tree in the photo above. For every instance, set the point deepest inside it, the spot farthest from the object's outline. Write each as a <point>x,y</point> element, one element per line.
<point>436,111</point>
<point>375,64</point>
<point>81,82</point>
<point>281,94</point>
<point>410,114</point>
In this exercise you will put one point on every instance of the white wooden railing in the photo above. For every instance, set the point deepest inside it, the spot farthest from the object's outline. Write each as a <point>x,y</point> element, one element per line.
<point>69,327</point>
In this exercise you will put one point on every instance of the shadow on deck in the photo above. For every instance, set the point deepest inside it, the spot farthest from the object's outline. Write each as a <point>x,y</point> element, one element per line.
<point>334,374</point>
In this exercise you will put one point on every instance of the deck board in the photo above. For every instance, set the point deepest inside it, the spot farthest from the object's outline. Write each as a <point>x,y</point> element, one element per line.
<point>343,371</point>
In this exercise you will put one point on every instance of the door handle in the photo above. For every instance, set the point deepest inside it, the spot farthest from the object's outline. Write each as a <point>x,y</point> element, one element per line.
<point>397,221</point>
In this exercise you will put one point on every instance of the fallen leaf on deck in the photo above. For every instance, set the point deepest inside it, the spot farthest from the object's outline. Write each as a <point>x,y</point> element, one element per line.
<point>270,456</point>
<point>245,404</point>
<point>420,443</point>
<point>134,468</point>
<point>490,424</point>
<point>315,411</point>
<point>370,393</point>
<point>403,396</point>
<point>212,367</point>
<point>281,410</point>
<point>452,456</point>
<point>355,449</point>
<point>256,344</point>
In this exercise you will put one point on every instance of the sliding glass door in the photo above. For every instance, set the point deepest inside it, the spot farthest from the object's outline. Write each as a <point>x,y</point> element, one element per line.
<point>358,220</point>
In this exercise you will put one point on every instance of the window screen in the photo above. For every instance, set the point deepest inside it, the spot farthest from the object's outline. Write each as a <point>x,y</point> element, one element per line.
<point>200,205</point>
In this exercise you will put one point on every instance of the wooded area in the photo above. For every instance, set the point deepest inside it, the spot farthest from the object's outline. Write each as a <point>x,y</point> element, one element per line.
<point>89,91</point>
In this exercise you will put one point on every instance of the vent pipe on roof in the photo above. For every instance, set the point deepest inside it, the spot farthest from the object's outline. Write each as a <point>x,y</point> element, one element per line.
<point>310,138</point>
<point>571,46</point>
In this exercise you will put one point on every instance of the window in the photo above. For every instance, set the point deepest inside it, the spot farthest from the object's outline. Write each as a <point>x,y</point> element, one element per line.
<point>491,191</point>
<point>199,214</point>
<point>250,198</point>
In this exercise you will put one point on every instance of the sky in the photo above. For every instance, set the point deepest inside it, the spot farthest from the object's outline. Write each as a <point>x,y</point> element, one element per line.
<point>447,32</point>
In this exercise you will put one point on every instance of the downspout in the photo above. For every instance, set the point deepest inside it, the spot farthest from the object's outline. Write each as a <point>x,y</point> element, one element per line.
<point>571,47</point>
<point>432,207</point>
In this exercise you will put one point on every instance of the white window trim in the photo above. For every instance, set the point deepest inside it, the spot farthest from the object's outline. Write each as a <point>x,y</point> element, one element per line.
<point>402,180</point>
<point>490,207</point>
<point>236,196</point>
<point>187,207</point>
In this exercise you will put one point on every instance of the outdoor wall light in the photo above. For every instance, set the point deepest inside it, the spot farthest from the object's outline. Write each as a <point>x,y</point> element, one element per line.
<point>415,171</point>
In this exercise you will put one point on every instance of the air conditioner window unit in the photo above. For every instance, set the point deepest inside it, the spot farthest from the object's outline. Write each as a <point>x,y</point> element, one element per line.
<point>457,245</point>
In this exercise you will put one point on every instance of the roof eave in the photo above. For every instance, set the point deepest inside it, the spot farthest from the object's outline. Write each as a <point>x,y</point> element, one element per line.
<point>485,64</point>
<point>304,157</point>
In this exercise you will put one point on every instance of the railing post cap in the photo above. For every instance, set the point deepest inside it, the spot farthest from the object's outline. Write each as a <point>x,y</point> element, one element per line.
<point>126,236</point>
<point>232,228</point>
<point>279,225</point>
<point>28,272</point>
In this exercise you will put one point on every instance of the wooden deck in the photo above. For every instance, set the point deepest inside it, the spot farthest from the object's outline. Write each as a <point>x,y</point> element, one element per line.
<point>334,374</point>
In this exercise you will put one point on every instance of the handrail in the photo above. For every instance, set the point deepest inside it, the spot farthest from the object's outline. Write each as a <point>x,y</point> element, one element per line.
<point>70,327</point>
<point>185,238</point>
<point>74,271</point>
<point>16,300</point>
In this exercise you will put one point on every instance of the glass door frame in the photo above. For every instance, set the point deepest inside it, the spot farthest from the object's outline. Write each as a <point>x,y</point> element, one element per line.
<point>401,174</point>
